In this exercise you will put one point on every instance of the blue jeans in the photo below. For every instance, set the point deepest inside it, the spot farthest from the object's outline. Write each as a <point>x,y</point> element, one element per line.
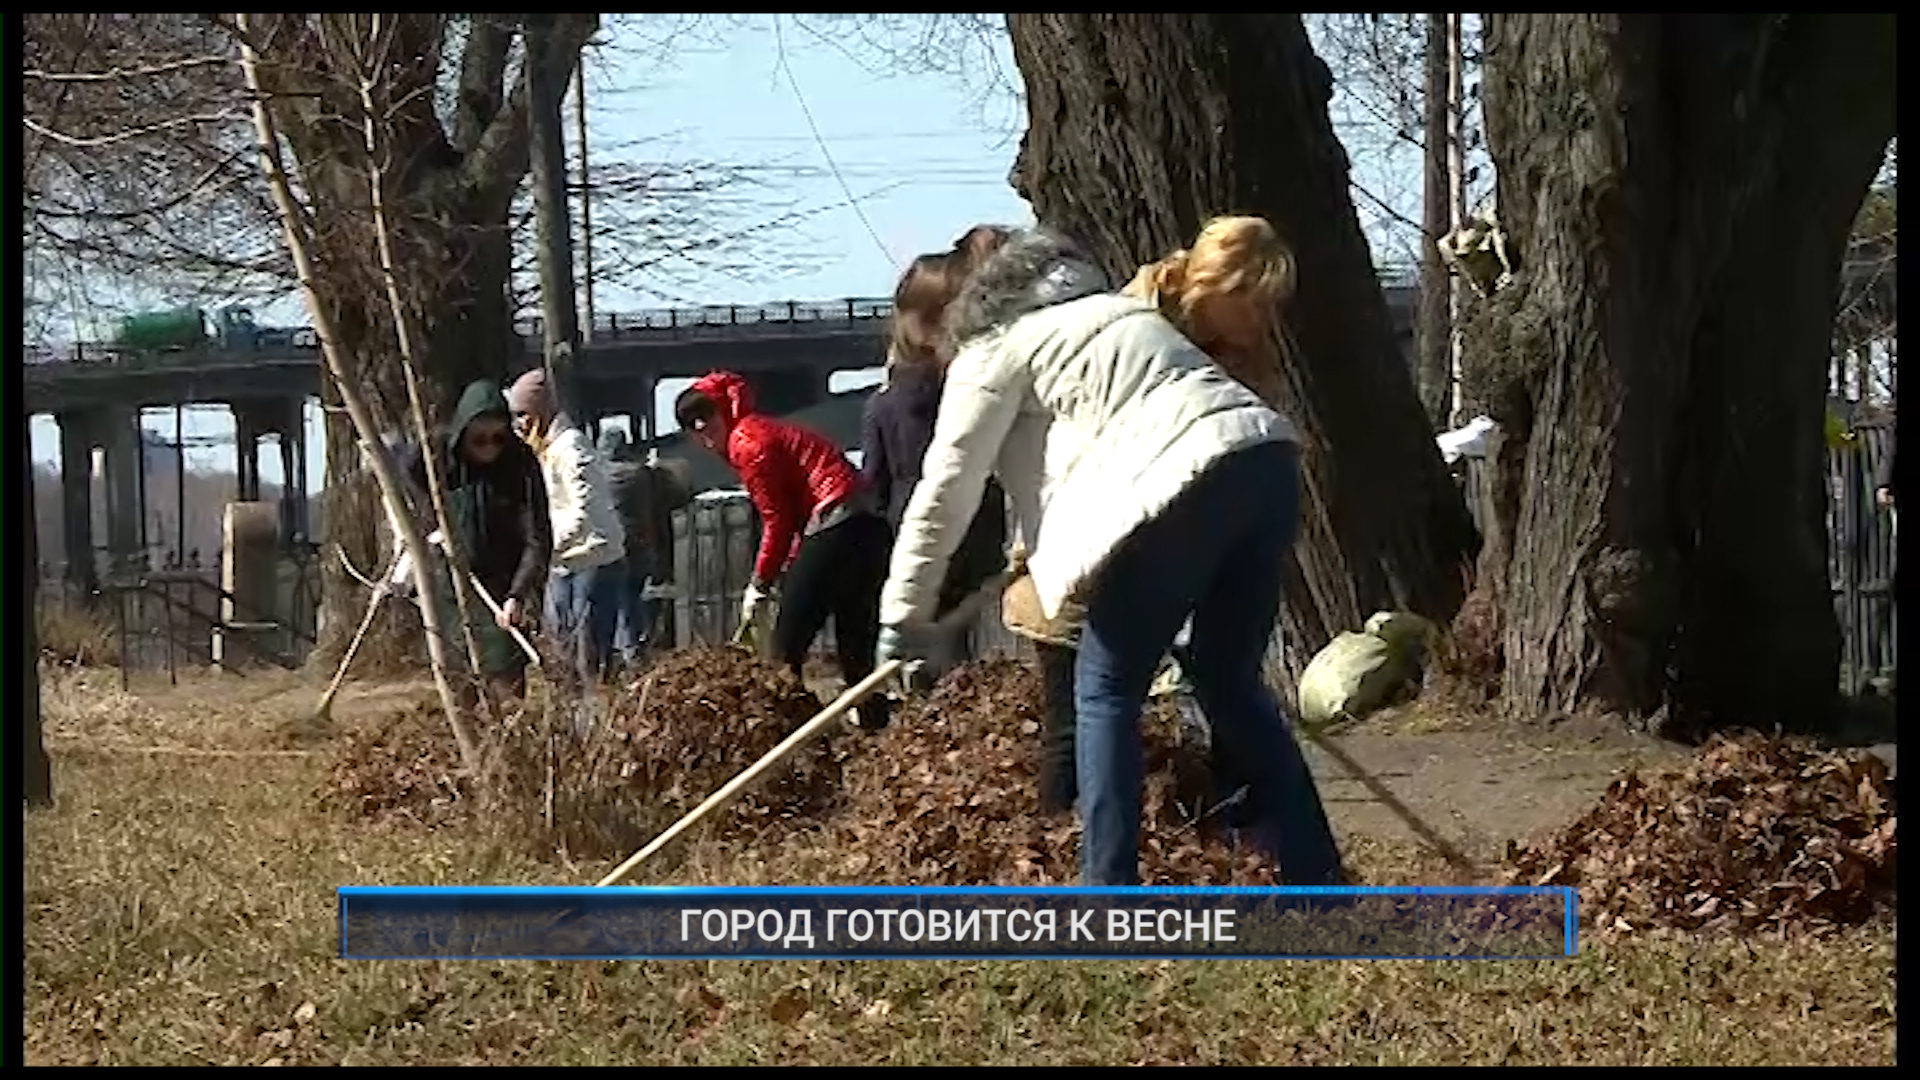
<point>636,611</point>
<point>1214,552</point>
<point>583,607</point>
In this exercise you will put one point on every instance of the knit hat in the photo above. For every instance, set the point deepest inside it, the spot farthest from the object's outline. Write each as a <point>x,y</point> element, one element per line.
<point>531,394</point>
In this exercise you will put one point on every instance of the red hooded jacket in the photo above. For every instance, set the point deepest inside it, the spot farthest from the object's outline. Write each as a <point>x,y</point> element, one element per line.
<point>790,472</point>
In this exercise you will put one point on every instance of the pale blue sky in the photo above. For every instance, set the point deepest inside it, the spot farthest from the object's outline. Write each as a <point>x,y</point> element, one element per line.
<point>924,155</point>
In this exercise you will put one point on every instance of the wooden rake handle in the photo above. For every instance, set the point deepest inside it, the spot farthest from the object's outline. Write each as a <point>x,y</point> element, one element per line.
<point>499,614</point>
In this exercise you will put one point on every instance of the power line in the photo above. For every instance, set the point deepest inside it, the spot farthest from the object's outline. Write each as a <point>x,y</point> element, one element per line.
<point>954,134</point>
<point>780,49</point>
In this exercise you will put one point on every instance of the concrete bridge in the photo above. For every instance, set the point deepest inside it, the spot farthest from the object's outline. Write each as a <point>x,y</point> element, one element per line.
<point>789,350</point>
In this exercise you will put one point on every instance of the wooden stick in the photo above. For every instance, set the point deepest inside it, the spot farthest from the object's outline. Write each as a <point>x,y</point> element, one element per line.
<point>961,614</point>
<point>848,698</point>
<point>192,751</point>
<point>499,614</point>
<point>322,711</point>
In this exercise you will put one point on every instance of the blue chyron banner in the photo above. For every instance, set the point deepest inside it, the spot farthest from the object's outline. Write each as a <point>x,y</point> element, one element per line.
<point>957,923</point>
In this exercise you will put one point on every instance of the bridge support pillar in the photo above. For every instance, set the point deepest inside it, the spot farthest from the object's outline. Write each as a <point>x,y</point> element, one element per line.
<point>120,436</point>
<point>249,573</point>
<point>641,422</point>
<point>282,417</point>
<point>293,466</point>
<point>76,501</point>
<point>247,430</point>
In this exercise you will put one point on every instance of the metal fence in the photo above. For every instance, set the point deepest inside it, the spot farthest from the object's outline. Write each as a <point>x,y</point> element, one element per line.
<point>1860,552</point>
<point>1860,558</point>
<point>714,540</point>
<point>177,618</point>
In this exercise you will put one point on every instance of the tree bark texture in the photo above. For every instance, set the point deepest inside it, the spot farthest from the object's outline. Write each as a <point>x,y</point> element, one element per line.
<point>451,189</point>
<point>1434,339</point>
<point>1110,159</point>
<point>1677,191</point>
<point>546,92</point>
<point>36,769</point>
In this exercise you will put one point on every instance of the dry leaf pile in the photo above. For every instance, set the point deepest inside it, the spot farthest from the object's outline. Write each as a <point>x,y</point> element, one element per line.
<point>1756,833</point>
<point>668,737</point>
<point>695,720</point>
<point>949,795</point>
<point>406,768</point>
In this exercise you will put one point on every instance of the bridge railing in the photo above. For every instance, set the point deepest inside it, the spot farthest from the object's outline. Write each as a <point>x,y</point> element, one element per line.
<point>794,317</point>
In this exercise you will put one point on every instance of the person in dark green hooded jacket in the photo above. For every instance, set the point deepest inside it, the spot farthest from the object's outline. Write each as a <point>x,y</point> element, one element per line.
<point>498,505</point>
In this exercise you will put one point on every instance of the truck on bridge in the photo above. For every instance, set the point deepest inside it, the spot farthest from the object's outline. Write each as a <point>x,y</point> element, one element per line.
<point>231,328</point>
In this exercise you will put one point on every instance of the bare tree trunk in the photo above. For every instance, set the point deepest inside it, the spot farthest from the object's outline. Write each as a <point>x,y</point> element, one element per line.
<point>450,196</point>
<point>32,746</point>
<point>546,94</point>
<point>1105,159</point>
<point>1435,339</point>
<point>586,205</point>
<point>391,492</point>
<point>1456,183</point>
<point>404,334</point>
<point>1679,215</point>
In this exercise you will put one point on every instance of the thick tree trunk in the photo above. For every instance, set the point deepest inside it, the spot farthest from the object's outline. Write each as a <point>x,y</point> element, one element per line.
<point>452,187</point>
<point>1677,190</point>
<point>1434,339</point>
<point>468,335</point>
<point>1106,159</point>
<point>37,770</point>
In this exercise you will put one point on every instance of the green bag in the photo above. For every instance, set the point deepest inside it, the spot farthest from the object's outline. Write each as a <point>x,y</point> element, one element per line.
<point>1359,672</point>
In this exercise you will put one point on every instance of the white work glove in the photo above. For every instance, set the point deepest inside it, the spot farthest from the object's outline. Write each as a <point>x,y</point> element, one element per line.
<point>753,602</point>
<point>401,582</point>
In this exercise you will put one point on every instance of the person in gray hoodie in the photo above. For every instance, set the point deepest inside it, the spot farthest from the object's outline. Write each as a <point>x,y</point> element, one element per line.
<point>644,495</point>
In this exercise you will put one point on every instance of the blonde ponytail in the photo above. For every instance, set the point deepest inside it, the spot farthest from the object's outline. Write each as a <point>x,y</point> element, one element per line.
<point>1161,283</point>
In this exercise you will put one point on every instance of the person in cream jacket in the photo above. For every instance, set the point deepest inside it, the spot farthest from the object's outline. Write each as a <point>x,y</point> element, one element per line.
<point>1184,486</point>
<point>589,574</point>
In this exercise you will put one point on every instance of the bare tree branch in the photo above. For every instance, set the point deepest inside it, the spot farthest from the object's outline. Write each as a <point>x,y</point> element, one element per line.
<point>483,79</point>
<point>504,148</point>
<point>139,71</point>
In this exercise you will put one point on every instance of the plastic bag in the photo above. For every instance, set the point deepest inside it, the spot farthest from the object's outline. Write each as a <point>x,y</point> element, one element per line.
<point>1359,672</point>
<point>1409,634</point>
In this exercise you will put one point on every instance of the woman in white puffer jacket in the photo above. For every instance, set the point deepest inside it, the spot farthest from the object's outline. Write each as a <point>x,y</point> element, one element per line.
<point>1183,490</point>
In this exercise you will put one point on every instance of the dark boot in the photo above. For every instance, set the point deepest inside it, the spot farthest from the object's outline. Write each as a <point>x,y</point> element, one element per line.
<point>1058,777</point>
<point>873,714</point>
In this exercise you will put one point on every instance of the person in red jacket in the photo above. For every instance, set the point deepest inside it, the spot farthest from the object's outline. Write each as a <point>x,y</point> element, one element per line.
<point>823,542</point>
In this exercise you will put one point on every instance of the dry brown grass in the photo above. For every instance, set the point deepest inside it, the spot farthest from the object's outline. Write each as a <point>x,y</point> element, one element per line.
<point>72,636</point>
<point>180,909</point>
